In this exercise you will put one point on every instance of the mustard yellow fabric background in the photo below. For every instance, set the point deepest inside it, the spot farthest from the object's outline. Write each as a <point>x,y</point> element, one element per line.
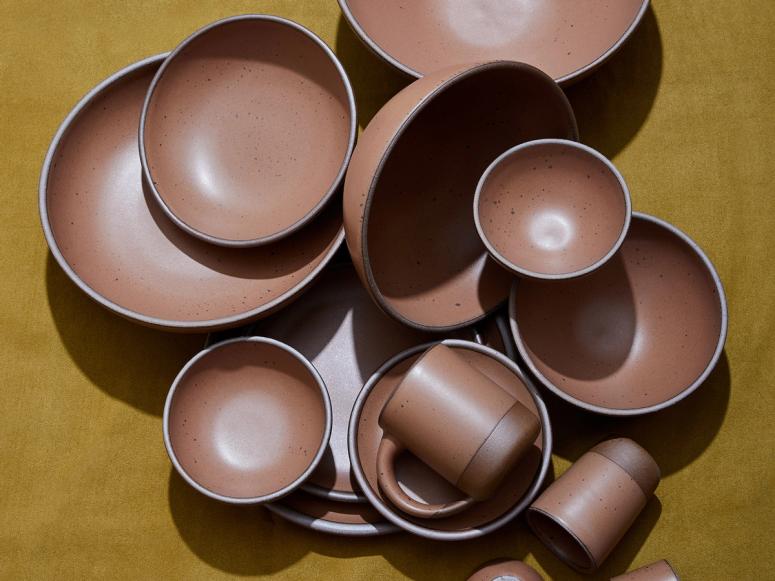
<point>86,490</point>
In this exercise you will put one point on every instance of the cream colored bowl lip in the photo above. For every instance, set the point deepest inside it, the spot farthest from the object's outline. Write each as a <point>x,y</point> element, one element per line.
<point>564,80</point>
<point>474,69</point>
<point>325,436</point>
<point>171,324</point>
<point>515,268</point>
<point>321,204</point>
<point>393,515</point>
<point>688,390</point>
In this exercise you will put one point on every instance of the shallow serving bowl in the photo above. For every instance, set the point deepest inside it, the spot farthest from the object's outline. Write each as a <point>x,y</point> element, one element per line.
<point>637,335</point>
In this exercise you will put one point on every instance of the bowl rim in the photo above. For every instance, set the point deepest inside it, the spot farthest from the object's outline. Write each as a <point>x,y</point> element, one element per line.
<point>519,270</point>
<point>393,515</point>
<point>564,80</point>
<point>325,436</point>
<point>689,389</point>
<point>328,194</point>
<point>158,322</point>
<point>459,75</point>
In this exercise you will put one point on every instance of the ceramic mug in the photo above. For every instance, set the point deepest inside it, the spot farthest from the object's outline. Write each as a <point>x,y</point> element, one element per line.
<point>658,571</point>
<point>460,423</point>
<point>586,511</point>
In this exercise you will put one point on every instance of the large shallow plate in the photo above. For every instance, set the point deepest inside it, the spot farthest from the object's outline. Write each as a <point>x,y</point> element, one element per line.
<point>118,247</point>
<point>512,497</point>
<point>565,38</point>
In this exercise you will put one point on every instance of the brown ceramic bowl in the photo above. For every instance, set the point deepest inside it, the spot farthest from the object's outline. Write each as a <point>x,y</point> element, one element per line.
<point>91,191</point>
<point>246,421</point>
<point>566,39</point>
<point>552,209</point>
<point>247,129</point>
<point>505,570</point>
<point>412,179</point>
<point>509,500</point>
<point>637,335</point>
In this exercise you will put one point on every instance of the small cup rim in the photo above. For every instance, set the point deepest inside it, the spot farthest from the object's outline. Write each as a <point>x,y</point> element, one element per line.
<point>521,271</point>
<point>530,515</point>
<point>325,436</point>
<point>327,196</point>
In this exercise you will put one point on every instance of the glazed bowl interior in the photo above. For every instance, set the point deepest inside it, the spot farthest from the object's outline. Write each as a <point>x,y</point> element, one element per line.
<point>233,125</point>
<point>422,483</point>
<point>566,39</point>
<point>423,256</point>
<point>636,335</point>
<point>552,209</point>
<point>92,188</point>
<point>247,420</point>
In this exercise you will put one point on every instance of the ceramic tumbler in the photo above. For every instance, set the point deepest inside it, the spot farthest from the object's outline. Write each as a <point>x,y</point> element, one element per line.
<point>457,421</point>
<point>658,571</point>
<point>584,513</point>
<point>506,570</point>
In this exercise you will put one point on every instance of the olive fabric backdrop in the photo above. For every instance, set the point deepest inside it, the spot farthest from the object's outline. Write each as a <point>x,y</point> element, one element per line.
<point>685,111</point>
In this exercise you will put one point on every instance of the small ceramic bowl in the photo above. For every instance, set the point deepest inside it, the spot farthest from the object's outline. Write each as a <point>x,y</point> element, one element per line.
<point>246,130</point>
<point>637,335</point>
<point>247,420</point>
<point>552,209</point>
<point>506,570</point>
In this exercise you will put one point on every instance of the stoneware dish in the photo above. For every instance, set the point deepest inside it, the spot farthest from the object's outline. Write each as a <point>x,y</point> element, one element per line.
<point>459,422</point>
<point>658,571</point>
<point>586,511</point>
<point>635,336</point>
<point>246,421</point>
<point>412,179</point>
<point>552,209</point>
<point>566,39</point>
<point>332,517</point>
<point>509,500</point>
<point>506,570</point>
<point>91,188</point>
<point>232,127</point>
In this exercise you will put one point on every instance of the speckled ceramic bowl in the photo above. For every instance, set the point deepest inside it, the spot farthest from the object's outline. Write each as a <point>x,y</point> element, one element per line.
<point>247,129</point>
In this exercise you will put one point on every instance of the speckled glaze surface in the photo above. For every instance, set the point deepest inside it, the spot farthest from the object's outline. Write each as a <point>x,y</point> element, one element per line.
<point>91,188</point>
<point>566,39</point>
<point>552,209</point>
<point>411,182</point>
<point>510,499</point>
<point>506,570</point>
<point>332,517</point>
<point>231,129</point>
<point>459,422</point>
<point>635,336</point>
<point>247,420</point>
<point>658,571</point>
<point>583,514</point>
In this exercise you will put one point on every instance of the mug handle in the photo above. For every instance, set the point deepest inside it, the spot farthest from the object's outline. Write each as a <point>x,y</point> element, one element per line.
<point>389,449</point>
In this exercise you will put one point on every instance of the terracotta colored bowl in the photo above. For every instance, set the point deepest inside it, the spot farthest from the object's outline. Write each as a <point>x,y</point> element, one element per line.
<point>247,420</point>
<point>566,39</point>
<point>91,192</point>
<point>637,335</point>
<point>411,183</point>
<point>247,129</point>
<point>505,570</point>
<point>509,500</point>
<point>552,209</point>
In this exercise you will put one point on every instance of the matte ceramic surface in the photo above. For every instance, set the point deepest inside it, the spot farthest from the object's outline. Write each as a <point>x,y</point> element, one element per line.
<point>506,570</point>
<point>583,514</point>
<point>410,187</point>
<point>247,130</point>
<point>567,39</point>
<point>247,420</point>
<point>113,241</point>
<point>658,571</point>
<point>459,422</point>
<point>635,336</point>
<point>511,498</point>
<point>332,517</point>
<point>552,209</point>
